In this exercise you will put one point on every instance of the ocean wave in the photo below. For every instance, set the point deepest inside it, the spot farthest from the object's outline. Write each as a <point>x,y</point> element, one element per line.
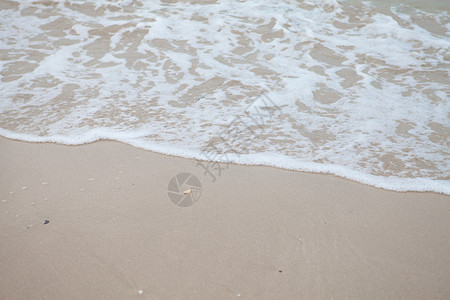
<point>359,90</point>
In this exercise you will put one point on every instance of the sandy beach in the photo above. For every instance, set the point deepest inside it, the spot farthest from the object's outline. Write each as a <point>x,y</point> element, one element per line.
<point>358,89</point>
<point>255,233</point>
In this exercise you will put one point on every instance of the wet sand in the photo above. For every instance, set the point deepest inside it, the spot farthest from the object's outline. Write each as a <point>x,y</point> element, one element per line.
<point>255,233</point>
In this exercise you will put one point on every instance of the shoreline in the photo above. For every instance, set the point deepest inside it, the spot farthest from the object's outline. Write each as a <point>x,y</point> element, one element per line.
<point>380,182</point>
<point>256,232</point>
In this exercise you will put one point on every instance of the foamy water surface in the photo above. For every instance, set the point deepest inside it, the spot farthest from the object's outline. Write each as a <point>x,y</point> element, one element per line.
<point>359,90</point>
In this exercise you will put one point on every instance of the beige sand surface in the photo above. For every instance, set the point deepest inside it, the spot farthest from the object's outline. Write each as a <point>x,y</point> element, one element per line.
<point>255,233</point>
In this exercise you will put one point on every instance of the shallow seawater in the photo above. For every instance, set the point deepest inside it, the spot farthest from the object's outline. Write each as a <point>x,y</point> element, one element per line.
<point>356,89</point>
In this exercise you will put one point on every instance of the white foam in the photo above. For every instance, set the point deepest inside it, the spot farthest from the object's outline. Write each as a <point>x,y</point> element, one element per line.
<point>363,92</point>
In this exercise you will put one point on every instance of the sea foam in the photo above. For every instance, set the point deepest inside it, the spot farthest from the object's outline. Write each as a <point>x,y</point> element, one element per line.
<point>358,90</point>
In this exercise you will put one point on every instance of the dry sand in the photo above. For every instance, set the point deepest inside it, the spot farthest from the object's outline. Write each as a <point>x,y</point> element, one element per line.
<point>255,233</point>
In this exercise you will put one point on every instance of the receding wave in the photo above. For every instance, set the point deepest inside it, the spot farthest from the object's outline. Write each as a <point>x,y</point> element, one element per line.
<point>358,90</point>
